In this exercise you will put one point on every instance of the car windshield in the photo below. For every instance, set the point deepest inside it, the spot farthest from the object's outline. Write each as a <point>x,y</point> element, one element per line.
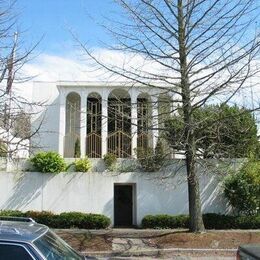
<point>54,248</point>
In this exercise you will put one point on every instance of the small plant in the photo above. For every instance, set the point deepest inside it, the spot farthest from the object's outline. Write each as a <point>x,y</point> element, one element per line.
<point>48,162</point>
<point>63,220</point>
<point>3,149</point>
<point>82,165</point>
<point>77,149</point>
<point>150,159</point>
<point>110,161</point>
<point>211,221</point>
<point>242,188</point>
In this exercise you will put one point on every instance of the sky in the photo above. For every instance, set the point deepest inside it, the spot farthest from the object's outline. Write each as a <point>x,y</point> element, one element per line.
<point>57,57</point>
<point>52,20</point>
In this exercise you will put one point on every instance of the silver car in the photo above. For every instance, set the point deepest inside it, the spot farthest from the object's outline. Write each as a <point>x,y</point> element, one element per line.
<point>24,239</point>
<point>248,252</point>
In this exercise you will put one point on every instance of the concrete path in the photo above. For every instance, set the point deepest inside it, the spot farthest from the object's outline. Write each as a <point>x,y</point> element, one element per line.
<point>138,248</point>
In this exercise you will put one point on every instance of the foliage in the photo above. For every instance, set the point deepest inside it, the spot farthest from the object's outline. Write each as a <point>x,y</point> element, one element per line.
<point>220,131</point>
<point>217,221</point>
<point>82,220</point>
<point>165,221</point>
<point>150,159</point>
<point>77,149</point>
<point>211,221</point>
<point>48,162</point>
<point>242,188</point>
<point>3,149</point>
<point>82,165</point>
<point>110,161</point>
<point>63,220</point>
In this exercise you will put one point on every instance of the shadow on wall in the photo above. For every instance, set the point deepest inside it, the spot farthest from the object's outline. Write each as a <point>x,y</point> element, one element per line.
<point>162,195</point>
<point>169,195</point>
<point>108,210</point>
<point>64,183</point>
<point>212,197</point>
<point>27,191</point>
<point>47,123</point>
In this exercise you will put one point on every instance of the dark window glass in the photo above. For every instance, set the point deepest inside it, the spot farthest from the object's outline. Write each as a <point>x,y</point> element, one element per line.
<point>13,252</point>
<point>54,248</point>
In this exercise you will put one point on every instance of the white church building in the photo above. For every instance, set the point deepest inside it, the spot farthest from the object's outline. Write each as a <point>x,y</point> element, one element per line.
<point>99,118</point>
<point>103,117</point>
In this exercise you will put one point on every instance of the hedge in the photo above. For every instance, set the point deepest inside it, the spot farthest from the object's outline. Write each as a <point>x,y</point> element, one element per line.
<point>211,221</point>
<point>63,220</point>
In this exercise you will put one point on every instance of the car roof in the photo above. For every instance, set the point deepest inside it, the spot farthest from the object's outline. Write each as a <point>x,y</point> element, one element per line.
<point>251,249</point>
<point>21,231</point>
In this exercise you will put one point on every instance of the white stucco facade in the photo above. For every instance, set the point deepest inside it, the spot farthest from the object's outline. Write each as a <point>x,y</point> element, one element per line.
<point>53,115</point>
<point>94,192</point>
<point>162,192</point>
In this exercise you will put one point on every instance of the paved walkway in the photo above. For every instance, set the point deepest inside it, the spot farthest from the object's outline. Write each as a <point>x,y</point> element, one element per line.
<point>138,248</point>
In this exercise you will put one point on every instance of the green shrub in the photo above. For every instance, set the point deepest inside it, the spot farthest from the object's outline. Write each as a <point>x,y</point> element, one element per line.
<point>3,149</point>
<point>44,217</point>
<point>242,188</point>
<point>63,220</point>
<point>150,159</point>
<point>165,221</point>
<point>82,220</point>
<point>82,165</point>
<point>217,221</point>
<point>48,162</point>
<point>211,221</point>
<point>12,213</point>
<point>110,161</point>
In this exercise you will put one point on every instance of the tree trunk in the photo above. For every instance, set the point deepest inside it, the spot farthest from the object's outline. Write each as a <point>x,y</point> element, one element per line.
<point>196,222</point>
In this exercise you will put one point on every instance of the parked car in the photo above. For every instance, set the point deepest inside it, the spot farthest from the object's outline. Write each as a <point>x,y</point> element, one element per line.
<point>248,252</point>
<point>24,239</point>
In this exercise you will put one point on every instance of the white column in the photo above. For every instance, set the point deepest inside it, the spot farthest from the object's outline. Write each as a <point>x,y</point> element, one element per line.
<point>104,121</point>
<point>83,123</point>
<point>174,105</point>
<point>62,123</point>
<point>155,131</point>
<point>134,95</point>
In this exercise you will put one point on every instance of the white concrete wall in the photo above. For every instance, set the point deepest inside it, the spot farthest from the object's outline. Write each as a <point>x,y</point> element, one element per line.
<point>93,192</point>
<point>47,138</point>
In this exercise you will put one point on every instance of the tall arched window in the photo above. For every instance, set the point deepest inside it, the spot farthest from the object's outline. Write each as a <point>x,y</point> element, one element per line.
<point>94,114</point>
<point>144,121</point>
<point>72,136</point>
<point>119,123</point>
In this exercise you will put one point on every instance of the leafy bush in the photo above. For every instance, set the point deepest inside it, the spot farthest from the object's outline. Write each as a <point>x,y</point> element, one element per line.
<point>110,161</point>
<point>242,188</point>
<point>12,213</point>
<point>150,159</point>
<point>82,220</point>
<point>48,162</point>
<point>165,221</point>
<point>63,220</point>
<point>3,149</point>
<point>43,217</point>
<point>211,221</point>
<point>217,221</point>
<point>82,165</point>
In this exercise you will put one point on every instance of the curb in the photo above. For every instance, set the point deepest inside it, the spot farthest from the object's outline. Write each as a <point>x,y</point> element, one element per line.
<point>156,252</point>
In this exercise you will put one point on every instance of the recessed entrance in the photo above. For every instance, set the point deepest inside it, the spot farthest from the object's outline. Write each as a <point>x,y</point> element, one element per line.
<point>124,205</point>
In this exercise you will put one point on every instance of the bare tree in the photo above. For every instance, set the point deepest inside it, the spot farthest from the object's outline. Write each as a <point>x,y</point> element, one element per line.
<point>206,50</point>
<point>15,109</point>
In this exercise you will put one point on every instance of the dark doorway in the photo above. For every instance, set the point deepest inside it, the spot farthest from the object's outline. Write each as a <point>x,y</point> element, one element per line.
<point>123,205</point>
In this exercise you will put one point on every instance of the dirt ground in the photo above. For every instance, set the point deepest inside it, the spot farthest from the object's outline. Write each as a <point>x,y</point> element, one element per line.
<point>84,240</point>
<point>211,239</point>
